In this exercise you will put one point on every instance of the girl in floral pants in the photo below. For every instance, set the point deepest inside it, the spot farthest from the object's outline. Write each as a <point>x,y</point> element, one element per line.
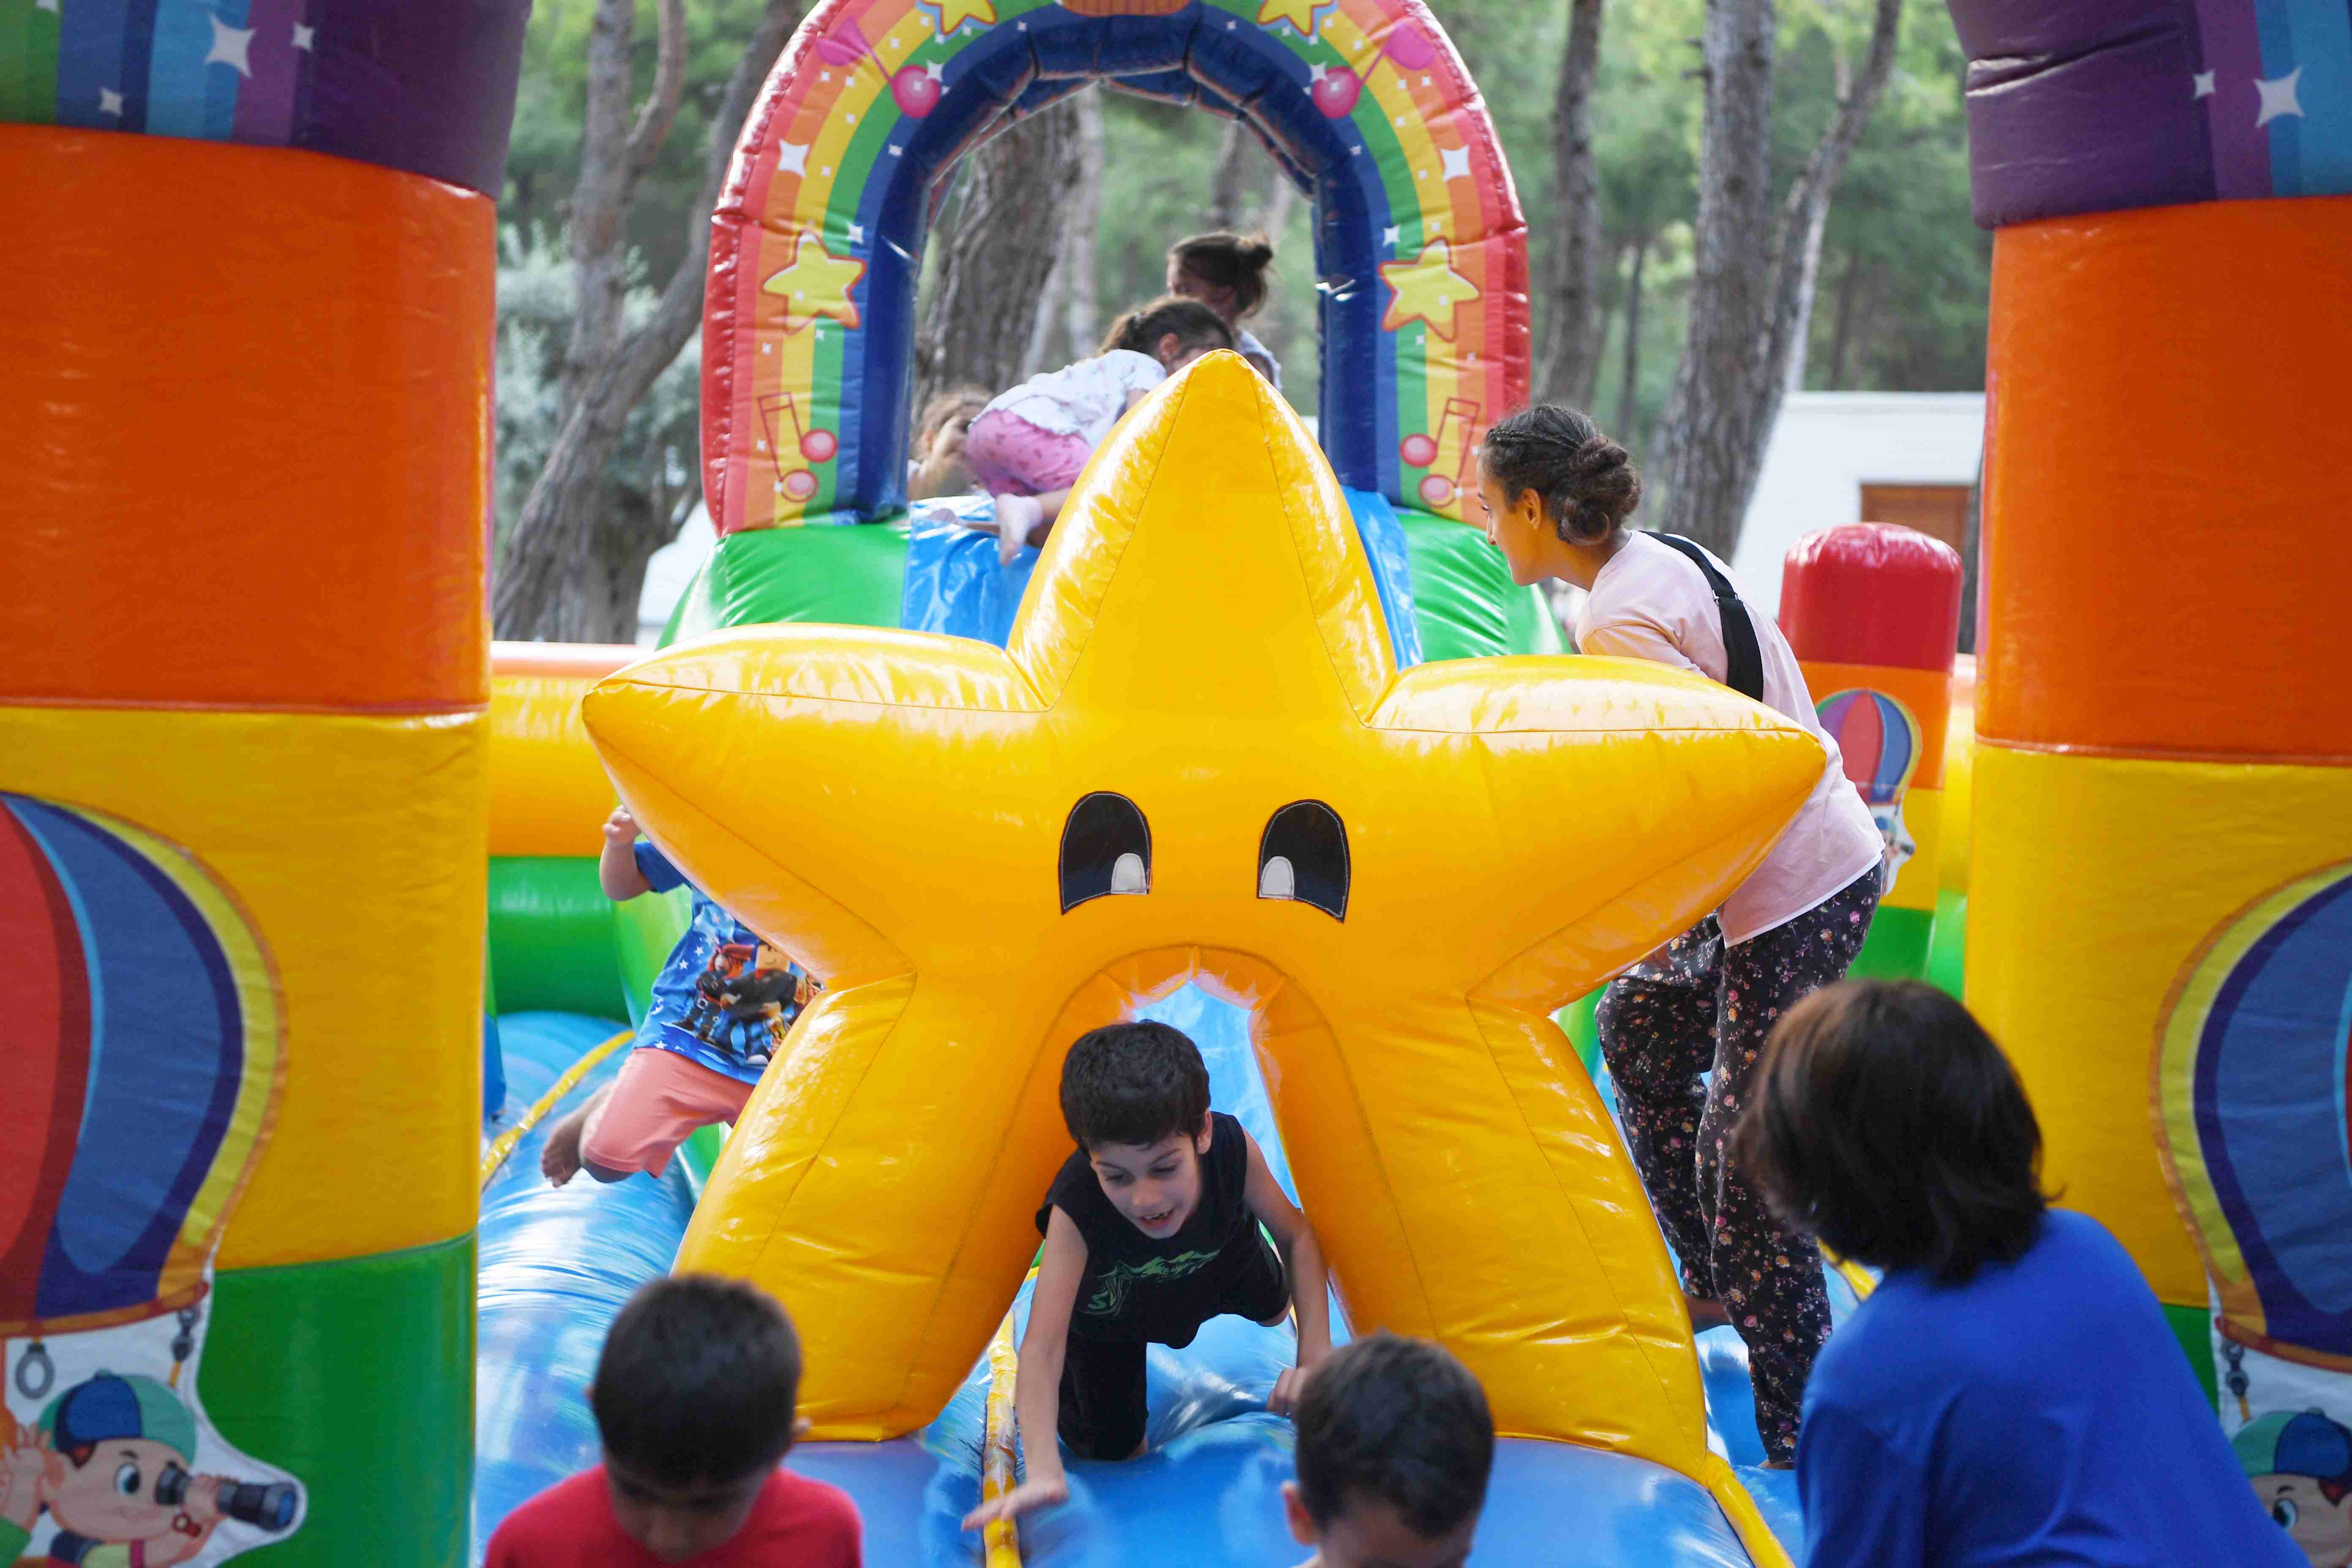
<point>1698,1008</point>
<point>1556,493</point>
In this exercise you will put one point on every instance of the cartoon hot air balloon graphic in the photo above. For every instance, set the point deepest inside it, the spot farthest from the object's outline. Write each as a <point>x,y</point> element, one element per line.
<point>1879,739</point>
<point>2253,1065</point>
<point>145,1051</point>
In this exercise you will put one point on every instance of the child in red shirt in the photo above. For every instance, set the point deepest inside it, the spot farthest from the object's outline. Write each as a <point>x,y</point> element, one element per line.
<point>694,1398</point>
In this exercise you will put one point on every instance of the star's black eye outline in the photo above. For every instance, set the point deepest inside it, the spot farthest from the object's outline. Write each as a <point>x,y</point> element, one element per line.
<point>1106,850</point>
<point>1303,856</point>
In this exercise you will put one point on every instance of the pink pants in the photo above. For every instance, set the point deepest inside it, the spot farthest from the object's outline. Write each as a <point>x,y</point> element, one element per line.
<point>1010,456</point>
<point>657,1103</point>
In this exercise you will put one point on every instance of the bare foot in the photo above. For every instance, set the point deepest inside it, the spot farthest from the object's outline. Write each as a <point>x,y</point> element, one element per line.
<point>1016,517</point>
<point>558,1160</point>
<point>1705,1313</point>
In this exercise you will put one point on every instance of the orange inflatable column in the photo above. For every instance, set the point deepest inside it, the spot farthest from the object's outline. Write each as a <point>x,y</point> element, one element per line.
<point>2161,888</point>
<point>246,391</point>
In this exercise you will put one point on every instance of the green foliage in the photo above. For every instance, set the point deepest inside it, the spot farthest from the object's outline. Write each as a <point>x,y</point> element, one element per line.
<point>656,467</point>
<point>544,157</point>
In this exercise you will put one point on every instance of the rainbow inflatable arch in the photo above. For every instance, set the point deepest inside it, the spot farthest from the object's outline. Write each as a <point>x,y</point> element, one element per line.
<point>1421,250</point>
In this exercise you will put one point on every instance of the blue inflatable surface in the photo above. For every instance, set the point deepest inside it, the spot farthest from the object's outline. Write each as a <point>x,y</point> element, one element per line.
<point>556,1264</point>
<point>955,584</point>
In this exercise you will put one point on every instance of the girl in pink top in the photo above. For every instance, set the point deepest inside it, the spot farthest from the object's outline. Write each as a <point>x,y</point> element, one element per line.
<point>1556,494</point>
<point>1028,446</point>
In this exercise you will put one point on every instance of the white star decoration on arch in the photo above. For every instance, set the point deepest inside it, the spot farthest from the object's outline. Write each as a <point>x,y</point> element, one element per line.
<point>231,46</point>
<point>2278,98</point>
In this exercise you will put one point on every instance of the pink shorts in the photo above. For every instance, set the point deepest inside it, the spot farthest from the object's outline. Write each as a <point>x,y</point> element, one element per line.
<point>657,1103</point>
<point>1010,456</point>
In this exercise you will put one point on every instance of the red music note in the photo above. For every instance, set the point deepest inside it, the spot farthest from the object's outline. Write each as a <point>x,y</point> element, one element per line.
<point>1424,452</point>
<point>816,446</point>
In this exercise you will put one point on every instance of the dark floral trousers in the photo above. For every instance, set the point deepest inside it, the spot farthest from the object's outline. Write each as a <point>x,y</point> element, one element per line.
<point>1664,1027</point>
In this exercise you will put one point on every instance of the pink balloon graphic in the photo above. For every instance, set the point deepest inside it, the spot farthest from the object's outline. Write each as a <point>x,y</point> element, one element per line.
<point>819,446</point>
<point>844,46</point>
<point>1335,90</point>
<point>917,91</point>
<point>1437,490</point>
<point>1419,451</point>
<point>800,484</point>
<point>1409,48</point>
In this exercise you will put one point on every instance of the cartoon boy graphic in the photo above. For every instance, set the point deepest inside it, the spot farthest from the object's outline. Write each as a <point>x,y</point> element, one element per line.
<point>2301,1468</point>
<point>108,1463</point>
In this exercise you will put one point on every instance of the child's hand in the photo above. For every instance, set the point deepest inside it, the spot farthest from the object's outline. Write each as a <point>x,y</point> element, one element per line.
<point>1288,1389</point>
<point>1026,1497</point>
<point>621,828</point>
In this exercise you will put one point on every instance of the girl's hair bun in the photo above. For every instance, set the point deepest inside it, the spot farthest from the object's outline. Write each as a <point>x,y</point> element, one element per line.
<point>1588,483</point>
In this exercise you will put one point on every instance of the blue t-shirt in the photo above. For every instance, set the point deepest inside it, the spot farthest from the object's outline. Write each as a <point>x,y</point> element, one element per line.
<point>2040,1414</point>
<point>725,998</point>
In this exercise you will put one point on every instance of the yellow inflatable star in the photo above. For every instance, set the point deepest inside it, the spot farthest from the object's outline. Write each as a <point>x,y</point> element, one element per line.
<point>1197,760</point>
<point>815,285</point>
<point>1426,288</point>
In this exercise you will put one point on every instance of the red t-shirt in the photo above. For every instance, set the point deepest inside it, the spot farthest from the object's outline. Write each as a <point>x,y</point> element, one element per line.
<point>796,1524</point>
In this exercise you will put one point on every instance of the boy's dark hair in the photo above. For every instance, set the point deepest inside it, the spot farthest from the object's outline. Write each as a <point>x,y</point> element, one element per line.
<point>1886,1123</point>
<point>699,1381</point>
<point>1587,482</point>
<point>1133,1083</point>
<point>1398,1421</point>
<point>1223,259</point>
<point>1195,325</point>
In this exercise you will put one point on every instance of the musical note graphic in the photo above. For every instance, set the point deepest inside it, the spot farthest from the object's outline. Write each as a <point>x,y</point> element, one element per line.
<point>1426,451</point>
<point>817,445</point>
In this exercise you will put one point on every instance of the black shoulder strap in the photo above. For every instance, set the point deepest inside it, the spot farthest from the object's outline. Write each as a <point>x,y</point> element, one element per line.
<point>1743,659</point>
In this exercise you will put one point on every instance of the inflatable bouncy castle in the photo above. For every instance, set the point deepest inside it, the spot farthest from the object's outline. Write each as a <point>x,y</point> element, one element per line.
<point>1254,747</point>
<point>244,387</point>
<point>2163,833</point>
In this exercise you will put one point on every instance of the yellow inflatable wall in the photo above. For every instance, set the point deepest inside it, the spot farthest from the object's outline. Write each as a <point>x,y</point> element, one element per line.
<point>984,851</point>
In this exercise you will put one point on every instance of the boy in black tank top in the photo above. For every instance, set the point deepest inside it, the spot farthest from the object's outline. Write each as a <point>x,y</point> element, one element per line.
<point>1158,1223</point>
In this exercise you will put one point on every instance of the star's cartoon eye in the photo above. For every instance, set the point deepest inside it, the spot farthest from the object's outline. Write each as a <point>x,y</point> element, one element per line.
<point>1106,848</point>
<point>126,1479</point>
<point>1303,855</point>
<point>2285,1513</point>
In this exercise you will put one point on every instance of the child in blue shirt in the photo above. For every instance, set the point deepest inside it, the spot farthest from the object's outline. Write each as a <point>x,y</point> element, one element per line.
<point>2010,1393</point>
<point>718,1013</point>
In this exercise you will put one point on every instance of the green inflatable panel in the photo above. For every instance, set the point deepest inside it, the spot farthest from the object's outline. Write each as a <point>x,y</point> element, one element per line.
<point>551,946</point>
<point>852,575</point>
<point>354,1375</point>
<point>1532,627</point>
<point>644,931</point>
<point>1896,947</point>
<point>1461,589</point>
<point>1577,1018</point>
<point>1948,950</point>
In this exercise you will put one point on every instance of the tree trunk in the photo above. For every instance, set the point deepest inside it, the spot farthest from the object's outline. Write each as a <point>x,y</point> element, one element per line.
<point>1229,187</point>
<point>1747,321</point>
<point>1081,292</point>
<point>1576,343</point>
<point>1629,389</point>
<point>997,241</point>
<point>1849,295</point>
<point>575,563</point>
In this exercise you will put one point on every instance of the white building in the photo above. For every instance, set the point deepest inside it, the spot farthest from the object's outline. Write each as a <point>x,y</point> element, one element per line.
<point>1859,456</point>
